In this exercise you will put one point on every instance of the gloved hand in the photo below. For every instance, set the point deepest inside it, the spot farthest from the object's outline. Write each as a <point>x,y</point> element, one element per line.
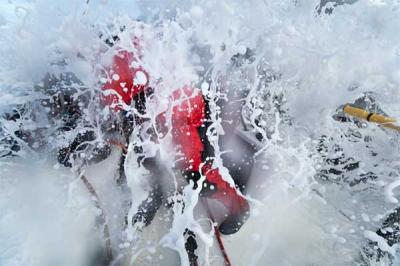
<point>84,149</point>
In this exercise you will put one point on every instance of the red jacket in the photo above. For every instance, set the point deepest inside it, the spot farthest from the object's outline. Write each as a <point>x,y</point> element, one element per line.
<point>126,82</point>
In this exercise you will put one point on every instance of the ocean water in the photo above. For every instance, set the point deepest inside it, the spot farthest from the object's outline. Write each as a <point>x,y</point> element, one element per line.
<point>289,65</point>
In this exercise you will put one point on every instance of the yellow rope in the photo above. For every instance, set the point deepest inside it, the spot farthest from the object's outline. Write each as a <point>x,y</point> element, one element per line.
<point>382,120</point>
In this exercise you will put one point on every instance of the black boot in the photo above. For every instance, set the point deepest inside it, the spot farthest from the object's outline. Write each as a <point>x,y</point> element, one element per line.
<point>191,246</point>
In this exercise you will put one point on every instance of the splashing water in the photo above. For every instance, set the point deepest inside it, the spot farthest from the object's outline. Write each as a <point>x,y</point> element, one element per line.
<point>287,66</point>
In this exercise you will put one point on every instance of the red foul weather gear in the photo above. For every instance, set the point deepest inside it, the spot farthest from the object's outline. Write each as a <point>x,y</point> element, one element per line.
<point>188,115</point>
<point>124,82</point>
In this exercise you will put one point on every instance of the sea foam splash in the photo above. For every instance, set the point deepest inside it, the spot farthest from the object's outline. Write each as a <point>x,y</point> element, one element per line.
<point>303,65</point>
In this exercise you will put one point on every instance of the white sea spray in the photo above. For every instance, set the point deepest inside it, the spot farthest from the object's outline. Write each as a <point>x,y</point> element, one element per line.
<point>311,62</point>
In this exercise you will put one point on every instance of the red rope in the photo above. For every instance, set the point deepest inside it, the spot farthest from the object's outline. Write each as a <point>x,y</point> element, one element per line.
<point>106,229</point>
<point>218,235</point>
<point>118,144</point>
